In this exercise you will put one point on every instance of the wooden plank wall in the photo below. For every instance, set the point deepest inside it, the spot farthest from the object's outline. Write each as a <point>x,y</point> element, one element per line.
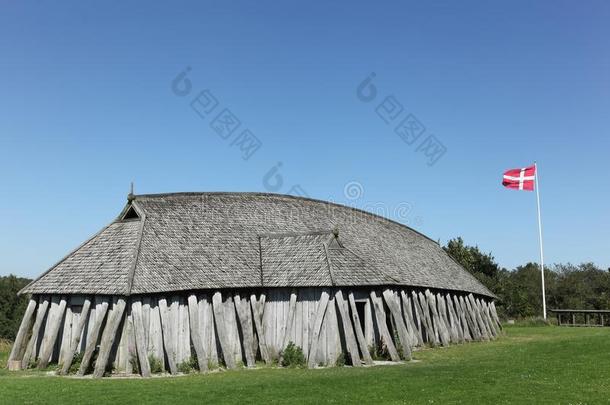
<point>237,328</point>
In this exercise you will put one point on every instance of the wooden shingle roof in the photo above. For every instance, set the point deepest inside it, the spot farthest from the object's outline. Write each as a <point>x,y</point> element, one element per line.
<point>187,241</point>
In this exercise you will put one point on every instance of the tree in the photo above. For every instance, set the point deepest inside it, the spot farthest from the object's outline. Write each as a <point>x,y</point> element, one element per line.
<point>12,306</point>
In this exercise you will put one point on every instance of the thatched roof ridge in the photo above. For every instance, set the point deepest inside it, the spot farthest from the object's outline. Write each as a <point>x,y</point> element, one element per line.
<point>188,241</point>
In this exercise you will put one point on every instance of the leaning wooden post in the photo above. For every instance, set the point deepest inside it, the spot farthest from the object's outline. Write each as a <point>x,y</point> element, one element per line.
<point>110,332</point>
<point>31,347</point>
<point>196,338</point>
<point>292,306</point>
<point>219,318</point>
<point>257,312</point>
<point>403,334</point>
<point>168,336</point>
<point>317,325</point>
<point>100,313</point>
<point>350,338</point>
<point>24,328</point>
<point>141,346</point>
<point>245,320</point>
<point>50,336</point>
<point>383,327</point>
<point>76,334</point>
<point>366,355</point>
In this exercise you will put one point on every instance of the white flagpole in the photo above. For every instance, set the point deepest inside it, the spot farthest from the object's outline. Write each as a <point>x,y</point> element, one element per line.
<point>540,239</point>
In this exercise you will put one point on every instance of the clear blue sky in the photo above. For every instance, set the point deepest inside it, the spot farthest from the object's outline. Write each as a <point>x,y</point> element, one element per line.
<point>87,107</point>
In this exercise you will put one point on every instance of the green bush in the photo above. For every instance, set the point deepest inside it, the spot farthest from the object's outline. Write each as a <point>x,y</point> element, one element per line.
<point>156,366</point>
<point>293,356</point>
<point>188,365</point>
<point>76,361</point>
<point>340,360</point>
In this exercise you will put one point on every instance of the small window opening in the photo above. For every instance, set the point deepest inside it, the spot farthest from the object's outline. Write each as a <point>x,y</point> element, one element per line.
<point>131,214</point>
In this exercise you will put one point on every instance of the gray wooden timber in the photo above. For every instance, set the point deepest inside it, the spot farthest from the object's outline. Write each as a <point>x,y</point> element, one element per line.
<point>454,318</point>
<point>445,317</point>
<point>384,333</point>
<point>463,322</point>
<point>471,319</point>
<point>477,316</point>
<point>425,312</point>
<point>292,306</point>
<point>140,335</point>
<point>76,336</point>
<point>317,325</point>
<point>98,320</point>
<point>196,338</point>
<point>108,336</point>
<point>168,336</point>
<point>403,334</point>
<point>439,325</point>
<point>494,313</point>
<point>407,309</point>
<point>243,313</point>
<point>24,328</point>
<point>30,350</point>
<point>221,329</point>
<point>52,330</point>
<point>348,330</point>
<point>364,349</point>
<point>257,312</point>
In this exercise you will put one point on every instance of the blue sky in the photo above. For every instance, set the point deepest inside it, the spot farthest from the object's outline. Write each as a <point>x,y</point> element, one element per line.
<point>87,107</point>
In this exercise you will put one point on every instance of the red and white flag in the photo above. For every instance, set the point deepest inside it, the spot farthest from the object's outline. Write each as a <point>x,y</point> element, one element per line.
<point>520,179</point>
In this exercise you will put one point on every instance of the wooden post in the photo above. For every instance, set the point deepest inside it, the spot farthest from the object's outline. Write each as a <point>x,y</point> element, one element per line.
<point>50,336</point>
<point>168,336</point>
<point>429,326</point>
<point>292,306</point>
<point>364,349</point>
<point>108,336</point>
<point>403,334</point>
<point>76,335</point>
<point>455,319</point>
<point>470,319</point>
<point>24,328</point>
<point>196,338</point>
<point>245,320</point>
<point>348,330</point>
<point>438,322</point>
<point>97,320</point>
<point>30,350</point>
<point>383,327</point>
<point>140,335</point>
<point>463,320</point>
<point>219,317</point>
<point>477,316</point>
<point>317,325</point>
<point>407,309</point>
<point>257,312</point>
<point>494,313</point>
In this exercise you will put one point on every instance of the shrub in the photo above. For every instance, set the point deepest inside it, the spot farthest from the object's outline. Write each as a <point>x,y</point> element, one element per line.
<point>76,361</point>
<point>188,365</point>
<point>340,360</point>
<point>293,356</point>
<point>156,366</point>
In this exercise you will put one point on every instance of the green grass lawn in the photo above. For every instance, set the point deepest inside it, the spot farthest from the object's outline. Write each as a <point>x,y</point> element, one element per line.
<point>527,365</point>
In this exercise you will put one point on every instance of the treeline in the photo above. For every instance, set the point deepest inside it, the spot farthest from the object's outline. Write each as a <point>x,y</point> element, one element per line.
<point>12,307</point>
<point>568,286</point>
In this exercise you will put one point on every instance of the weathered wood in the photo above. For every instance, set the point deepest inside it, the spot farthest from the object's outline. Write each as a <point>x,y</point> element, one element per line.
<point>132,351</point>
<point>108,336</point>
<point>463,322</point>
<point>317,325</point>
<point>50,336</point>
<point>155,340</point>
<point>65,334</point>
<point>257,312</point>
<point>30,351</point>
<point>292,306</point>
<point>221,329</point>
<point>243,313</point>
<point>384,333</point>
<point>348,330</point>
<point>140,335</point>
<point>445,316</point>
<point>471,319</point>
<point>476,317</point>
<point>202,355</point>
<point>98,319</point>
<point>407,308</point>
<point>432,335</point>
<point>330,346</point>
<point>454,319</point>
<point>439,323</point>
<point>369,329</point>
<point>206,319</point>
<point>22,333</point>
<point>401,328</point>
<point>168,336</point>
<point>364,349</point>
<point>494,313</point>
<point>418,318</point>
<point>76,337</point>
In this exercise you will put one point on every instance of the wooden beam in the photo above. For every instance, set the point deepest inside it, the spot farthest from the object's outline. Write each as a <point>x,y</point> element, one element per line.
<point>76,336</point>
<point>26,323</point>
<point>196,338</point>
<point>439,325</point>
<point>431,334</point>
<point>364,349</point>
<point>476,317</point>
<point>454,318</point>
<point>494,313</point>
<point>348,330</point>
<point>243,313</point>
<point>30,350</point>
<point>98,319</point>
<point>414,334</point>
<point>140,335</point>
<point>445,317</point>
<point>56,316</point>
<point>384,333</point>
<point>219,317</point>
<point>462,315</point>
<point>292,306</point>
<point>108,336</point>
<point>403,334</point>
<point>168,336</point>
<point>257,312</point>
<point>317,325</point>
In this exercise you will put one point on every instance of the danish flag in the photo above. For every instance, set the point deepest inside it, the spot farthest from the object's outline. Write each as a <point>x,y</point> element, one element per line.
<point>520,179</point>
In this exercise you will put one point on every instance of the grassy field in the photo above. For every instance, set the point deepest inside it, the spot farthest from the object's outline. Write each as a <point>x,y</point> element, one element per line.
<point>527,365</point>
